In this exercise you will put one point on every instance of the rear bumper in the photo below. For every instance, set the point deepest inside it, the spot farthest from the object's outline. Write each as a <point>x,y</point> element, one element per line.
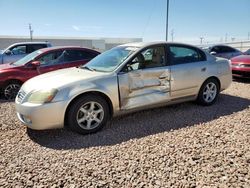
<point>41,116</point>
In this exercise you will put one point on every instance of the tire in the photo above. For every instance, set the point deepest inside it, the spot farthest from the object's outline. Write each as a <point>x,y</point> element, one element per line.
<point>11,89</point>
<point>209,92</point>
<point>88,114</point>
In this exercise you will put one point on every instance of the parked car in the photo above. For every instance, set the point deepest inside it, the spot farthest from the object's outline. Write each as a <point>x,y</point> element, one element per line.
<point>18,50</point>
<point>247,52</point>
<point>126,78</point>
<point>13,75</point>
<point>241,66</point>
<point>223,51</point>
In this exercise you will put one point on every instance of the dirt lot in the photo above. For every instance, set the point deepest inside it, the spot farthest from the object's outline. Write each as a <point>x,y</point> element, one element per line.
<point>184,145</point>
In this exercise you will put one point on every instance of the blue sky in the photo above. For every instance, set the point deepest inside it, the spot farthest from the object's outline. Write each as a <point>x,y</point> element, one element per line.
<point>189,19</point>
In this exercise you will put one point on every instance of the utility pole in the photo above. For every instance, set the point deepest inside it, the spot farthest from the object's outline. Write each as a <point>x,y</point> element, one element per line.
<point>226,37</point>
<point>167,20</point>
<point>172,35</point>
<point>31,32</point>
<point>201,39</point>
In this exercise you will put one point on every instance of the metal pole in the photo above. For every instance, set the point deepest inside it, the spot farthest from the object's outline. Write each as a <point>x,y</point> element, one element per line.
<point>167,20</point>
<point>31,32</point>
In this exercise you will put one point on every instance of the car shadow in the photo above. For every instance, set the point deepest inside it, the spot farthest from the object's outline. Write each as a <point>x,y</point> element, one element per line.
<point>141,124</point>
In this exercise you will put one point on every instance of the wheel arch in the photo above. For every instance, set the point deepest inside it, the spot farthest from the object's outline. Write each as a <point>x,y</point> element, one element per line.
<point>215,78</point>
<point>13,80</point>
<point>101,94</point>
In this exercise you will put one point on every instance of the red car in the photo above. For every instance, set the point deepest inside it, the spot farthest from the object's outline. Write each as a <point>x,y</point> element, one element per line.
<point>13,75</point>
<point>241,66</point>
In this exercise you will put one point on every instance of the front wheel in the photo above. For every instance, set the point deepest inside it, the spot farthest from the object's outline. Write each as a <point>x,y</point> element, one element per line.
<point>208,93</point>
<point>11,89</point>
<point>88,114</point>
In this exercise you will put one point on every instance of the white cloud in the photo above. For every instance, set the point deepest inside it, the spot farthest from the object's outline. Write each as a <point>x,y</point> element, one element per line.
<point>48,24</point>
<point>77,28</point>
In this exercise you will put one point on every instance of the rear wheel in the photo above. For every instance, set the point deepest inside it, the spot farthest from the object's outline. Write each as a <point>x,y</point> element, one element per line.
<point>88,114</point>
<point>11,89</point>
<point>208,93</point>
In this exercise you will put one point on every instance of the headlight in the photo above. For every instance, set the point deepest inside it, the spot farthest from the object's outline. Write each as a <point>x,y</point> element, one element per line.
<point>42,96</point>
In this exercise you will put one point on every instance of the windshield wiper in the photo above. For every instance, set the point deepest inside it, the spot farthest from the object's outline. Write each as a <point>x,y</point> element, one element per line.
<point>88,68</point>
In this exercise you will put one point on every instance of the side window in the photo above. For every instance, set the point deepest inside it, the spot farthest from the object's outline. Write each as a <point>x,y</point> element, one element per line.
<point>227,49</point>
<point>149,58</point>
<point>18,50</point>
<point>78,55</point>
<point>216,49</point>
<point>34,47</point>
<point>181,55</point>
<point>52,58</point>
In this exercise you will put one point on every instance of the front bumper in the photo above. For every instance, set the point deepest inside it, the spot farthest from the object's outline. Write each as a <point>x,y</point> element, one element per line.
<point>41,116</point>
<point>243,72</point>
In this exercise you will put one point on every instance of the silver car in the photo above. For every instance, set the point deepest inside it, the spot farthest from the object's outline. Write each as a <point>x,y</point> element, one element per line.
<point>19,50</point>
<point>126,78</point>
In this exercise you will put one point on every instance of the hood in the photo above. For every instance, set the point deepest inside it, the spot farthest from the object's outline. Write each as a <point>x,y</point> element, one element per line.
<point>7,66</point>
<point>241,59</point>
<point>60,78</point>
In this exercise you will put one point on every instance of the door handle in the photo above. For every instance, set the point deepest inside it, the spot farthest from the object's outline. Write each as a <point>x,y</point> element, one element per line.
<point>203,69</point>
<point>162,77</point>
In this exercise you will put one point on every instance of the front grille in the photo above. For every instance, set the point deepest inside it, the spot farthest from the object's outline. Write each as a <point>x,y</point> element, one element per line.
<point>241,73</point>
<point>245,65</point>
<point>242,65</point>
<point>21,95</point>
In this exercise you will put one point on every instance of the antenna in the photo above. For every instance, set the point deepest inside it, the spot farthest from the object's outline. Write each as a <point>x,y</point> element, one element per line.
<point>167,20</point>
<point>31,32</point>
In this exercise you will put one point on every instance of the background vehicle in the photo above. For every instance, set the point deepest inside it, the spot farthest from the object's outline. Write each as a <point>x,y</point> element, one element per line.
<point>12,75</point>
<point>247,52</point>
<point>127,78</point>
<point>241,66</point>
<point>222,51</point>
<point>19,50</point>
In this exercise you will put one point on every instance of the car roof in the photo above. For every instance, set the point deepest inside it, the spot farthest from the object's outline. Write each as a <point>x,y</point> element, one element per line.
<point>64,48</point>
<point>145,44</point>
<point>19,43</point>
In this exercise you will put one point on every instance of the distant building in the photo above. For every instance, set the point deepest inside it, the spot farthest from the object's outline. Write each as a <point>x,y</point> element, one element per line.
<point>100,44</point>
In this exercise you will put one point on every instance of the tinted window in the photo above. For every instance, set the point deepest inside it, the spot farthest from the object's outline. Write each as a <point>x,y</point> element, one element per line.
<point>52,58</point>
<point>77,55</point>
<point>181,54</point>
<point>18,50</point>
<point>227,49</point>
<point>222,49</point>
<point>149,58</point>
<point>34,47</point>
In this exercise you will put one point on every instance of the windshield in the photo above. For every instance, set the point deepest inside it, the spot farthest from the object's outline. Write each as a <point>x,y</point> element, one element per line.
<point>27,58</point>
<point>110,60</point>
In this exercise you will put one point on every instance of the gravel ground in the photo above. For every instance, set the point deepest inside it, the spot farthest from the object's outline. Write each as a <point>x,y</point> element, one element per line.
<point>184,145</point>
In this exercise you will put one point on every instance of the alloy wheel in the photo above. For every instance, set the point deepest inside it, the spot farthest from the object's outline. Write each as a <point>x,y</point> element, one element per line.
<point>11,91</point>
<point>90,115</point>
<point>210,92</point>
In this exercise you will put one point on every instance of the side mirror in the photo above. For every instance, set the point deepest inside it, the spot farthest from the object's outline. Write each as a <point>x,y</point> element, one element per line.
<point>7,52</point>
<point>213,53</point>
<point>35,64</point>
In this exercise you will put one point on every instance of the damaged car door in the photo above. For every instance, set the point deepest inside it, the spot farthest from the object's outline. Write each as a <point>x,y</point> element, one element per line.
<point>145,80</point>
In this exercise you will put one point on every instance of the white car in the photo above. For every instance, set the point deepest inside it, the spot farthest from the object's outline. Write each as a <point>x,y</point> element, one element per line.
<point>19,50</point>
